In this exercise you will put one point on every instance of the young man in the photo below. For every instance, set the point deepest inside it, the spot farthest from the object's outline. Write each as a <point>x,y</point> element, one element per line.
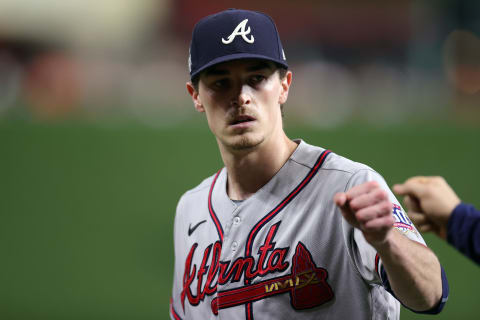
<point>286,230</point>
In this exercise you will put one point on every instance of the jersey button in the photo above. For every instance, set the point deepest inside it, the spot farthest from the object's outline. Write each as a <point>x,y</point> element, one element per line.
<point>236,220</point>
<point>234,245</point>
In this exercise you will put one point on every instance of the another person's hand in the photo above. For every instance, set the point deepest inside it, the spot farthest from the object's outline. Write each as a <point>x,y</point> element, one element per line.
<point>429,202</point>
<point>368,208</point>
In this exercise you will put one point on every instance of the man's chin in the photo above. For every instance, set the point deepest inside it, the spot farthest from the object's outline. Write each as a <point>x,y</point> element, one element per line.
<point>245,143</point>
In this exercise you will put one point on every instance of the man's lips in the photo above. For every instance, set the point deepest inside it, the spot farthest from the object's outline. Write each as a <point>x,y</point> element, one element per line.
<point>241,119</point>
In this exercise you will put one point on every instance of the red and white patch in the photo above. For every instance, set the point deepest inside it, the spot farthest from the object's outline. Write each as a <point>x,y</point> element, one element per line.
<point>402,222</point>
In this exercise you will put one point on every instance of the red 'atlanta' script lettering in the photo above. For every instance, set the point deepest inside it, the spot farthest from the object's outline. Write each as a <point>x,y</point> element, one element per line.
<point>270,260</point>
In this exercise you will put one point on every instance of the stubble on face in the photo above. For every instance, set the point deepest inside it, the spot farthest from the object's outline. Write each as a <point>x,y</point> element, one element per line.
<point>243,139</point>
<point>244,143</point>
<point>236,138</point>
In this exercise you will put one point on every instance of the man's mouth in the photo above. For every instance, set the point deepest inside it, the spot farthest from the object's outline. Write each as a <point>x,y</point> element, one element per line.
<point>241,119</point>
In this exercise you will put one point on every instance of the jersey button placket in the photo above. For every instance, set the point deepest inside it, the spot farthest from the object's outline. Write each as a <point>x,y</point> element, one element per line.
<point>236,222</point>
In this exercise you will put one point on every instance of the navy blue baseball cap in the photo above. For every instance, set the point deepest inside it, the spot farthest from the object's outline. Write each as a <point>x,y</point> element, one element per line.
<point>234,34</point>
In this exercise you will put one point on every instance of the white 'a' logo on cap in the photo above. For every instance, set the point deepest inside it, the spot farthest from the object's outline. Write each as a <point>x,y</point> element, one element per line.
<point>240,31</point>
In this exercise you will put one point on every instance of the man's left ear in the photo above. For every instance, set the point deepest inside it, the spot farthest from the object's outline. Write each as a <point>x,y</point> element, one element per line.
<point>285,83</point>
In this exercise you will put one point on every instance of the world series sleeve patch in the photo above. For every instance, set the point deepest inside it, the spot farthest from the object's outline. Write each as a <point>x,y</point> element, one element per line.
<point>402,222</point>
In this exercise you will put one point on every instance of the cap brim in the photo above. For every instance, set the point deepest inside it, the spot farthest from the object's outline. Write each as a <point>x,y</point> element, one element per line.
<point>237,56</point>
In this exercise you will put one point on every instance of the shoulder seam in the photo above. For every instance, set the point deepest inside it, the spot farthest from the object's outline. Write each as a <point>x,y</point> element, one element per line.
<point>341,170</point>
<point>354,173</point>
<point>302,164</point>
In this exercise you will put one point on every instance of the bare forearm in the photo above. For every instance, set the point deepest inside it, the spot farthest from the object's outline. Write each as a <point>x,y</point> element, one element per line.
<point>413,272</point>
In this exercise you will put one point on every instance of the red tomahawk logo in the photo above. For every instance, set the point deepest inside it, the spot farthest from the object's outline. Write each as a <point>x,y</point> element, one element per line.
<point>307,286</point>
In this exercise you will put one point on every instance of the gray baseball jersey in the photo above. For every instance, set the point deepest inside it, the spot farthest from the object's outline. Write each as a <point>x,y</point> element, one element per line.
<point>284,253</point>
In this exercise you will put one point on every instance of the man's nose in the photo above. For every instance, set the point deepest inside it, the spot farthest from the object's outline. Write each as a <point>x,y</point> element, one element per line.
<point>242,97</point>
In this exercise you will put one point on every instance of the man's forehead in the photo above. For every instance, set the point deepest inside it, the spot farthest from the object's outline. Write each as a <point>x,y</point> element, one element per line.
<point>248,65</point>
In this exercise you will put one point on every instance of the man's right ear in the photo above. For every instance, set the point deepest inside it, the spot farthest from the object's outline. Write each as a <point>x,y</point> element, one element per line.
<point>197,103</point>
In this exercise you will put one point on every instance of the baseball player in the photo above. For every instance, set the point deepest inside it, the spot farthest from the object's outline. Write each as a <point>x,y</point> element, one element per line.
<point>286,230</point>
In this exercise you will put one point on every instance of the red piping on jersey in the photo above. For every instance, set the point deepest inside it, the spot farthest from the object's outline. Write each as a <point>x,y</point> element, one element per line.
<point>173,312</point>
<point>212,212</point>
<point>275,211</point>
<point>249,311</point>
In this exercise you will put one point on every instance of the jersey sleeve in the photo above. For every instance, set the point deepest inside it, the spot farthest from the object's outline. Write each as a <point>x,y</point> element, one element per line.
<point>365,257</point>
<point>176,309</point>
<point>363,254</point>
<point>464,231</point>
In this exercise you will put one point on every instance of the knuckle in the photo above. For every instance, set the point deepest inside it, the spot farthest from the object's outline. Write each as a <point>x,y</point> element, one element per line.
<point>437,179</point>
<point>354,205</point>
<point>361,217</point>
<point>411,180</point>
<point>382,194</point>
<point>417,179</point>
<point>387,206</point>
<point>373,184</point>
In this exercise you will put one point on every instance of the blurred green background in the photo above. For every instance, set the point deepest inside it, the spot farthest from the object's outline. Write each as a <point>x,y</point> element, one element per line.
<point>87,211</point>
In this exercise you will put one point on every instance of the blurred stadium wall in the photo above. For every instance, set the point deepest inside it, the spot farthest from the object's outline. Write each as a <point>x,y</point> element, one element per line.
<point>378,62</point>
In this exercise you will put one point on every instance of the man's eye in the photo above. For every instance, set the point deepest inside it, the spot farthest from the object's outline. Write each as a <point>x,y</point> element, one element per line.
<point>219,84</point>
<point>256,79</point>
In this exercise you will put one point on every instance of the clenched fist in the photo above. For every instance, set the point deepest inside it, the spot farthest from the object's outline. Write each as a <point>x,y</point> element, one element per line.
<point>368,208</point>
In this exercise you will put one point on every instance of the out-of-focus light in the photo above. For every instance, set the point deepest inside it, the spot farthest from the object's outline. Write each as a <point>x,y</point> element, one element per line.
<point>11,73</point>
<point>462,60</point>
<point>85,23</point>
<point>52,85</point>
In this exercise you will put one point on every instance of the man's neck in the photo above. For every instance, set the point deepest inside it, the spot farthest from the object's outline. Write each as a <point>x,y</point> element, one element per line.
<point>248,172</point>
